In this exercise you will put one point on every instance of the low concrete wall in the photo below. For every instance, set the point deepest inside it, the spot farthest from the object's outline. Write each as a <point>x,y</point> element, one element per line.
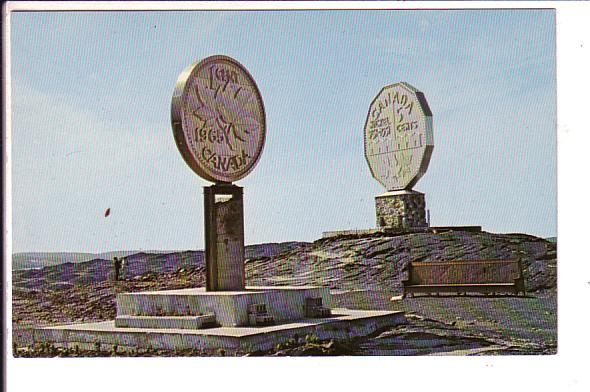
<point>230,307</point>
<point>164,322</point>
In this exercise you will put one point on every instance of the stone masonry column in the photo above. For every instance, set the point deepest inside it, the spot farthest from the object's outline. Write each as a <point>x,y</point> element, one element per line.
<point>401,210</point>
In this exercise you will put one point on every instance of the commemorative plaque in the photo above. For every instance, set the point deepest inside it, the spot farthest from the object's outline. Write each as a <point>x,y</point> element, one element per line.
<point>218,119</point>
<point>398,146</point>
<point>398,136</point>
<point>219,127</point>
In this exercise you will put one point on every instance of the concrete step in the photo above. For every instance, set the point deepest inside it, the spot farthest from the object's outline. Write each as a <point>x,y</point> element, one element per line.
<point>165,322</point>
<point>344,324</point>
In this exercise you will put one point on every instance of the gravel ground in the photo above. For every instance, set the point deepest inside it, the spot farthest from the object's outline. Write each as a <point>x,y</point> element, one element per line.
<point>455,325</point>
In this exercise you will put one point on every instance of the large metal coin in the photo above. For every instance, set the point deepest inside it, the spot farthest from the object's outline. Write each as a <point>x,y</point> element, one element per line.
<point>218,119</point>
<point>398,136</point>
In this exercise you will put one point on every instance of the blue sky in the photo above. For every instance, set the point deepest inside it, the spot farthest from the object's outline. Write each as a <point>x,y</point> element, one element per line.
<point>91,128</point>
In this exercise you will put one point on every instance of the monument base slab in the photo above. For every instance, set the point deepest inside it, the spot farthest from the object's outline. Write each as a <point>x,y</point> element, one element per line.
<point>230,308</point>
<point>228,320</point>
<point>342,325</point>
<point>388,231</point>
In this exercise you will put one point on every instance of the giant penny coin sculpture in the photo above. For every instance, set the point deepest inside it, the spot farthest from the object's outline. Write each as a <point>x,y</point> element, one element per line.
<point>218,119</point>
<point>398,136</point>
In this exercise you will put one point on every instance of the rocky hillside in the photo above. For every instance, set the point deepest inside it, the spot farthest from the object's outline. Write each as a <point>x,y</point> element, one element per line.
<point>377,262</point>
<point>73,292</point>
<point>97,270</point>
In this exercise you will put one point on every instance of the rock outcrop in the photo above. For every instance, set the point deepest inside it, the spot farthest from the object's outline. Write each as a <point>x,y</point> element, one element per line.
<point>377,262</point>
<point>74,292</point>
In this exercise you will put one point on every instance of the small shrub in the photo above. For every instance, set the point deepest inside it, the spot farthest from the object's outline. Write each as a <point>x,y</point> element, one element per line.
<point>312,339</point>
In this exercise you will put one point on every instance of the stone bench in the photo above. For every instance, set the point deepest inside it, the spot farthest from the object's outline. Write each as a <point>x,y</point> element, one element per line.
<point>464,276</point>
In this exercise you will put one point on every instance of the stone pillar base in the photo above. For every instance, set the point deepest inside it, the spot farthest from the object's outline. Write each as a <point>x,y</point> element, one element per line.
<point>224,238</point>
<point>401,210</point>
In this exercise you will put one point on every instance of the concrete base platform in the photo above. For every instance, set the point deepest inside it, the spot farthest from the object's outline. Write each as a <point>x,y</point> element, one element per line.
<point>391,231</point>
<point>230,308</point>
<point>344,324</point>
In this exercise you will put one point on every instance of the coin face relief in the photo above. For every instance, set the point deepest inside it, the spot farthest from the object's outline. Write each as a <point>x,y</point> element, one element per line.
<point>218,119</point>
<point>398,136</point>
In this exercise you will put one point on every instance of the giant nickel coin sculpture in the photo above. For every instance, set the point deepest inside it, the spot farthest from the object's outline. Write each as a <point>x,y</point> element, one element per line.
<point>219,126</point>
<point>398,136</point>
<point>398,146</point>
